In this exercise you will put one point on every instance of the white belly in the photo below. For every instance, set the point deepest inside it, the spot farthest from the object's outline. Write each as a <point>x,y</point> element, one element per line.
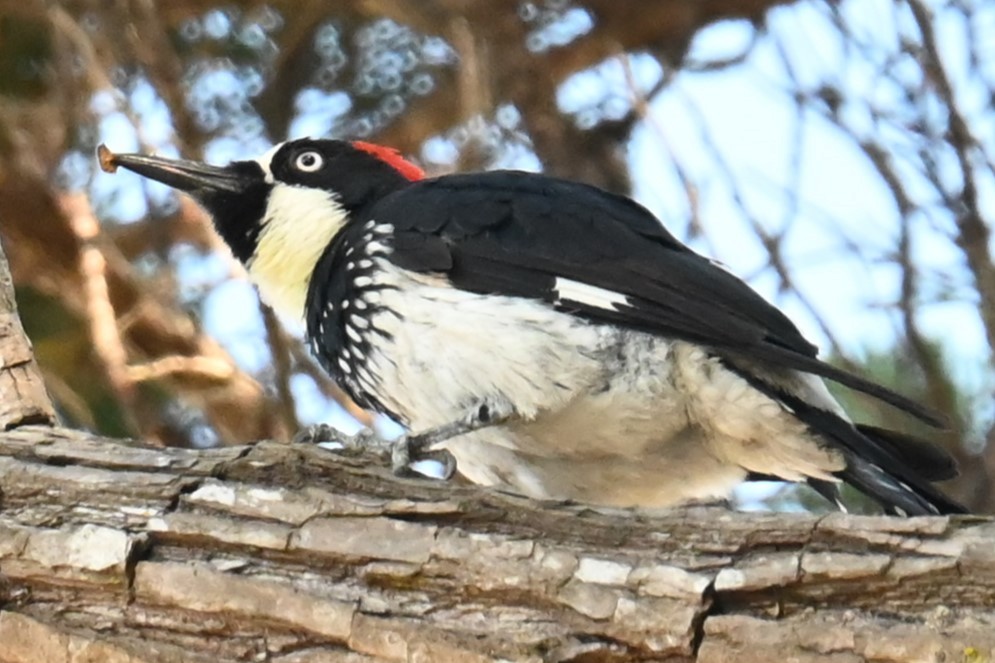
<point>606,416</point>
<point>452,348</point>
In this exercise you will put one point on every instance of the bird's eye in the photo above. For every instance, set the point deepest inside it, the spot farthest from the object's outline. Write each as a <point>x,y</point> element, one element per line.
<point>308,162</point>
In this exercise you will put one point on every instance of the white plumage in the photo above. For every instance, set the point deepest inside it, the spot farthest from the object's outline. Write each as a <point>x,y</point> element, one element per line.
<point>575,291</point>
<point>680,424</point>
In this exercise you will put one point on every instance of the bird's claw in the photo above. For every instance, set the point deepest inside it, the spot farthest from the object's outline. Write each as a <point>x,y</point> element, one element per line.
<point>322,434</point>
<point>316,434</point>
<point>401,452</point>
<point>443,458</point>
<point>406,450</point>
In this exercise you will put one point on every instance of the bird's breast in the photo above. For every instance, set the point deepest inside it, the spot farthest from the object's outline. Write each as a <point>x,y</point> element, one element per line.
<point>442,349</point>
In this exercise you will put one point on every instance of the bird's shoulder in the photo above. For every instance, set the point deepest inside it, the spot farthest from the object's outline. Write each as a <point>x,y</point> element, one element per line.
<point>532,235</point>
<point>465,205</point>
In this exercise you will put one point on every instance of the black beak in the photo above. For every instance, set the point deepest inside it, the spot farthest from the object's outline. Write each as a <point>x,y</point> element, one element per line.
<point>192,176</point>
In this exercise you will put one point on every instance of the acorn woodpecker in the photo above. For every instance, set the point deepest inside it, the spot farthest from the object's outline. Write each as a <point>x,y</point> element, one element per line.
<point>555,338</point>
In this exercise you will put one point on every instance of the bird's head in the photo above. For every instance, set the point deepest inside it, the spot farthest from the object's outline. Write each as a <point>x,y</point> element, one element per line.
<point>279,212</point>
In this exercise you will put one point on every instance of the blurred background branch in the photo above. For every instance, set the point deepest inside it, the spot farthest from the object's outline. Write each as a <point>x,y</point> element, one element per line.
<point>840,155</point>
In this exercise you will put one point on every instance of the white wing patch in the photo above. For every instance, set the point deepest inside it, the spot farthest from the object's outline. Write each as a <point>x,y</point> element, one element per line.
<point>591,295</point>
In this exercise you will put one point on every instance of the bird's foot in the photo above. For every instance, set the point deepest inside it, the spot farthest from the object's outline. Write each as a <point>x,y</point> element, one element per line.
<point>401,452</point>
<point>409,449</point>
<point>328,437</point>
<point>412,448</point>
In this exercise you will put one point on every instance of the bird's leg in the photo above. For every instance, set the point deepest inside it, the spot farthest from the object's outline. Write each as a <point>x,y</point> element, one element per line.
<point>410,448</point>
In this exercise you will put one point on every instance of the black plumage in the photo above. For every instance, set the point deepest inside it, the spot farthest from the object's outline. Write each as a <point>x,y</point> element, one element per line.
<point>515,233</point>
<point>336,301</point>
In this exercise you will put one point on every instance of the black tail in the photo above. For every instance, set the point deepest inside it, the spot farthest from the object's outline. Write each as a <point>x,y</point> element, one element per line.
<point>818,367</point>
<point>892,468</point>
<point>904,488</point>
<point>925,458</point>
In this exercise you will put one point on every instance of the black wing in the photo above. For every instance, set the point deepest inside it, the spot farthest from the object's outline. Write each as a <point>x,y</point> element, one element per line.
<point>521,234</point>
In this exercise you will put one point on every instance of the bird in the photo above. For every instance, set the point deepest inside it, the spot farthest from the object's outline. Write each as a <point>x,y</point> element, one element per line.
<point>552,338</point>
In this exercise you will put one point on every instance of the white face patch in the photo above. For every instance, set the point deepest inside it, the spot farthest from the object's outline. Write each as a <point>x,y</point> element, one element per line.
<point>300,222</point>
<point>583,293</point>
<point>266,160</point>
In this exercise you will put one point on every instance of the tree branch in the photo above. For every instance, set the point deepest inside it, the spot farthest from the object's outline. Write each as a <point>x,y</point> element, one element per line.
<point>23,398</point>
<point>285,553</point>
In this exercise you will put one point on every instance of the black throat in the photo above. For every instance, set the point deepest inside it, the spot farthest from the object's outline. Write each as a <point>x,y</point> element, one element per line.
<point>238,216</point>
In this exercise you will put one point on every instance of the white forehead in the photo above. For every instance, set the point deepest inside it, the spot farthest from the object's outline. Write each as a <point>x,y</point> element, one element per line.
<point>265,160</point>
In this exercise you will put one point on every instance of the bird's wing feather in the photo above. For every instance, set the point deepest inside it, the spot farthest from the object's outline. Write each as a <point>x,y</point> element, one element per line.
<point>596,255</point>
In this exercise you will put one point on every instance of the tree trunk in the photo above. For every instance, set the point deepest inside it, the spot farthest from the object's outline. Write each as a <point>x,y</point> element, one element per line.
<point>114,552</point>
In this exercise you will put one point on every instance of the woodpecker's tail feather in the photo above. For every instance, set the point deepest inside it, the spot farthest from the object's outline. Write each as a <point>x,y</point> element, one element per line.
<point>904,489</point>
<point>829,490</point>
<point>892,468</point>
<point>897,497</point>
<point>928,460</point>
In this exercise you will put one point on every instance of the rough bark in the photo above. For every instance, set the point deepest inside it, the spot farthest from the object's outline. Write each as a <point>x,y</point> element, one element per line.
<point>23,398</point>
<point>285,553</point>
